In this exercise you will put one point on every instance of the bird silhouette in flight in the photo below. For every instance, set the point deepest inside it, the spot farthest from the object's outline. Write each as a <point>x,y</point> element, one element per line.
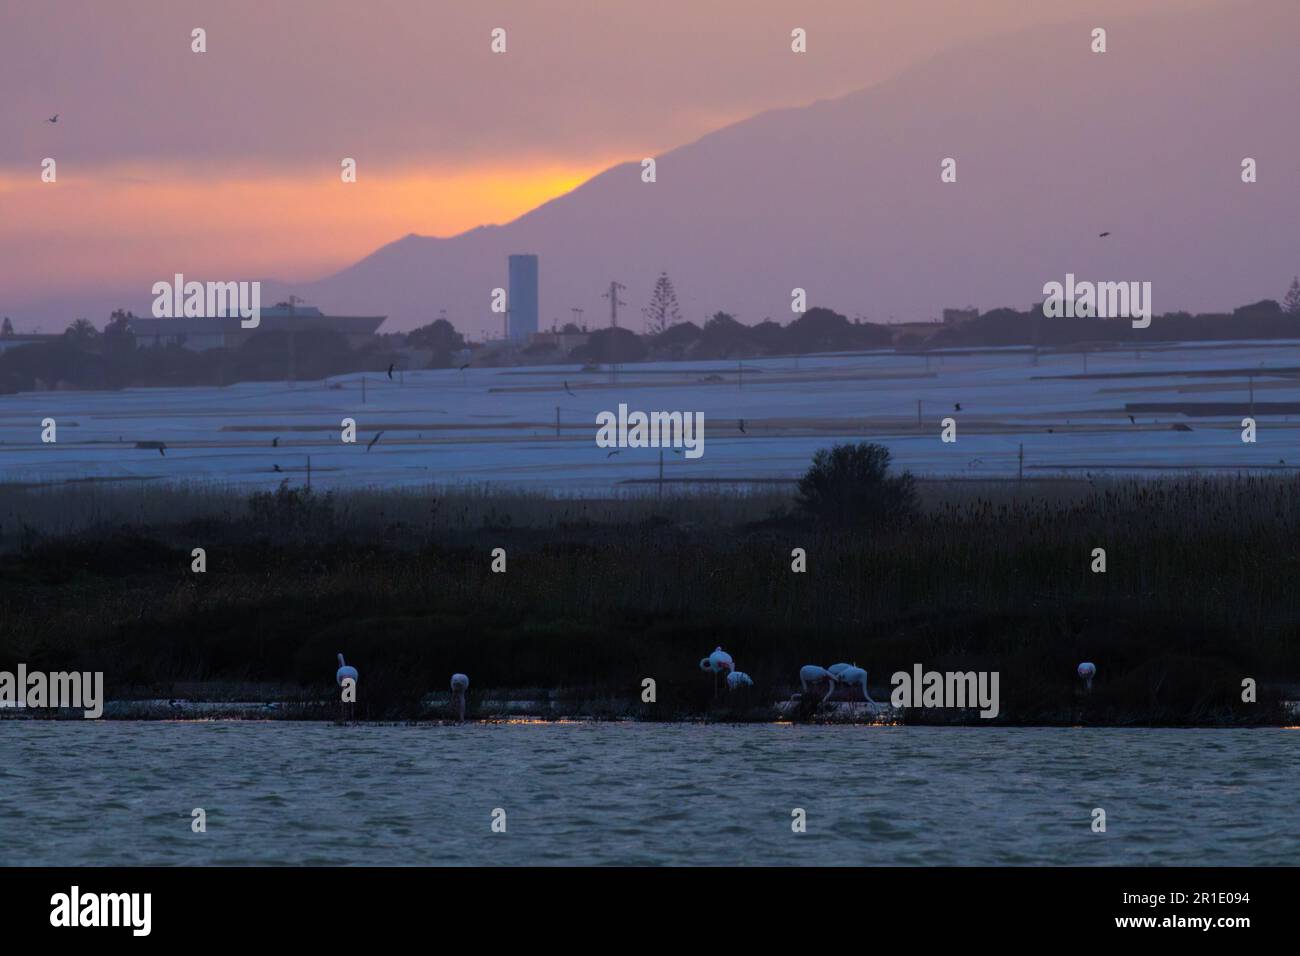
<point>1133,420</point>
<point>390,370</point>
<point>275,442</point>
<point>1103,235</point>
<point>378,435</point>
<point>612,453</point>
<point>275,467</point>
<point>53,119</point>
<point>741,424</point>
<point>465,366</point>
<point>162,449</point>
<point>569,390</point>
<point>957,407</point>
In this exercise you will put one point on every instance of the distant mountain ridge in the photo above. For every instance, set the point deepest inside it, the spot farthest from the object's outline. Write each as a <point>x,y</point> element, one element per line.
<point>1054,145</point>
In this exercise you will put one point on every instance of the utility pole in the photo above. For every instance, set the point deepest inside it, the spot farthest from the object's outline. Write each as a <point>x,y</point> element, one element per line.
<point>614,301</point>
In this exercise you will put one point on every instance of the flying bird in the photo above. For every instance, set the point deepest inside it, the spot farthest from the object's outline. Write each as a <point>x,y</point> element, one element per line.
<point>957,407</point>
<point>1104,235</point>
<point>53,119</point>
<point>162,449</point>
<point>465,366</point>
<point>275,442</point>
<point>378,435</point>
<point>1133,420</point>
<point>390,370</point>
<point>612,453</point>
<point>567,389</point>
<point>741,423</point>
<point>275,467</point>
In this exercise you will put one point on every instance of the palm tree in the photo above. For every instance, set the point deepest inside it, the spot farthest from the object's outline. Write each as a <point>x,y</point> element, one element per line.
<point>81,331</point>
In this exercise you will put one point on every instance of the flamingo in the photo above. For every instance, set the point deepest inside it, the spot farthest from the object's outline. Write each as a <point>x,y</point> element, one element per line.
<point>716,663</point>
<point>1087,671</point>
<point>853,676</point>
<point>810,675</point>
<point>738,679</point>
<point>344,672</point>
<point>459,688</point>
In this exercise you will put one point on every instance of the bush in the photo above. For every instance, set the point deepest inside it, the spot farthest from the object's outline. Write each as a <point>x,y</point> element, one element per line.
<point>851,485</point>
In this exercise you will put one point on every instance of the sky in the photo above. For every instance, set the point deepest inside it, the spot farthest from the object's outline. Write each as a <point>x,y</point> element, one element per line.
<point>227,162</point>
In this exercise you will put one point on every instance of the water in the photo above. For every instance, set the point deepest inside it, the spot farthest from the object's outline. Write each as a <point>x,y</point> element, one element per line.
<point>286,793</point>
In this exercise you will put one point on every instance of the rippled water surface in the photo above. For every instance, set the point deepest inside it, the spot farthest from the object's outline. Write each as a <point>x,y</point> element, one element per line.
<point>122,793</point>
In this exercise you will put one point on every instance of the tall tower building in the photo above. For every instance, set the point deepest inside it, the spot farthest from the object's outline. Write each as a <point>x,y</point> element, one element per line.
<point>522,302</point>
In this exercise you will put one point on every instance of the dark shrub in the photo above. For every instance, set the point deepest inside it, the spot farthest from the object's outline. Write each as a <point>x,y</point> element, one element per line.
<point>851,485</point>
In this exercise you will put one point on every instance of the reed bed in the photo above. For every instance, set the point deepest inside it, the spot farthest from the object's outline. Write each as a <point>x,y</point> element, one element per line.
<point>1199,592</point>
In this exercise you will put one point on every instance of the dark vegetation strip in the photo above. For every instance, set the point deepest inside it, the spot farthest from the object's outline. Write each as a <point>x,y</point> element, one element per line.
<point>1200,592</point>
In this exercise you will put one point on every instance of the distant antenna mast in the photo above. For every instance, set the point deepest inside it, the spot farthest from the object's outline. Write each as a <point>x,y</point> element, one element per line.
<point>614,301</point>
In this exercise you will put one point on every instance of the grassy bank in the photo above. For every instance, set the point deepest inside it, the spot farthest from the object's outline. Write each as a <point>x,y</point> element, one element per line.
<point>1199,593</point>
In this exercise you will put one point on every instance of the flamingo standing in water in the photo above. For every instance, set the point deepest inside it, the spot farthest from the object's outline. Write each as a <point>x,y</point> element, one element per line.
<point>1087,671</point>
<point>718,662</point>
<point>459,688</point>
<point>345,671</point>
<point>853,676</point>
<point>813,677</point>
<point>738,679</point>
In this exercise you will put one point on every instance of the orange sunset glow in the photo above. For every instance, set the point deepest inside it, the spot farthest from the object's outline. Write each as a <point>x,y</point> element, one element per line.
<point>113,219</point>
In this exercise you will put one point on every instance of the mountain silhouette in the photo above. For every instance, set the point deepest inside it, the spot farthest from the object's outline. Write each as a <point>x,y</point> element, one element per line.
<point>1054,144</point>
